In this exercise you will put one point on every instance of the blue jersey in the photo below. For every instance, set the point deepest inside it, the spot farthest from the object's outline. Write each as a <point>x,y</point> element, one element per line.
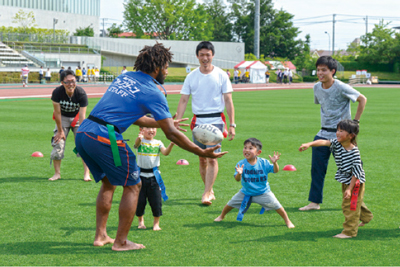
<point>129,97</point>
<point>255,177</point>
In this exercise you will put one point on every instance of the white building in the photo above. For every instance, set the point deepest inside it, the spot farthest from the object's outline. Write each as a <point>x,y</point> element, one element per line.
<point>61,14</point>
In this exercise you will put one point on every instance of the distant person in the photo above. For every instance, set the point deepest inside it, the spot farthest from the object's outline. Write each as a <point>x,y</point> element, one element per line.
<point>59,73</point>
<point>236,76</point>
<point>211,93</point>
<point>40,74</point>
<point>84,74</point>
<point>124,70</point>
<point>290,74</point>
<point>278,76</point>
<point>334,97</point>
<point>78,74</point>
<point>350,174</point>
<point>148,152</point>
<point>48,75</point>
<point>24,75</point>
<point>96,74</point>
<point>285,76</point>
<point>240,75</point>
<point>70,103</point>
<point>247,76</point>
<point>252,172</point>
<point>228,73</point>
<point>267,74</point>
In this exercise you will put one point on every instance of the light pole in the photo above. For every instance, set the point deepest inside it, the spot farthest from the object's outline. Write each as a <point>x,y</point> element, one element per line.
<point>329,39</point>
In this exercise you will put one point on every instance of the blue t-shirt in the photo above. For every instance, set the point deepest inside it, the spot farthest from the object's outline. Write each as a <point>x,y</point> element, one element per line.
<point>129,97</point>
<point>255,177</point>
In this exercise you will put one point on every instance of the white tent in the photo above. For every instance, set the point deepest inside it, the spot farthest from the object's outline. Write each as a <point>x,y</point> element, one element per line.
<point>256,68</point>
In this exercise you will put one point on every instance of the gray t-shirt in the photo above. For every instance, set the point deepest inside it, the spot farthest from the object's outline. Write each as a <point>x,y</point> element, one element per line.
<point>335,105</point>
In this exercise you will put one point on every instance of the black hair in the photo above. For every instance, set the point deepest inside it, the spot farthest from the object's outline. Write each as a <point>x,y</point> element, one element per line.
<point>152,57</point>
<point>255,142</point>
<point>351,127</point>
<point>205,44</point>
<point>328,61</point>
<point>65,73</point>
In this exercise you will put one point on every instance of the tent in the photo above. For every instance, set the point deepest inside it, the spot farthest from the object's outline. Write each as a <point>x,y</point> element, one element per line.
<point>256,68</point>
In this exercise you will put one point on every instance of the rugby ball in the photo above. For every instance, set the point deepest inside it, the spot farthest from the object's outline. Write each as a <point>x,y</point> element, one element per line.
<point>207,134</point>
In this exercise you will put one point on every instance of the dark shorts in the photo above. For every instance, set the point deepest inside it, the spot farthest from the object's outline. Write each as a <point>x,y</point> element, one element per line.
<point>96,153</point>
<point>151,192</point>
<point>219,126</point>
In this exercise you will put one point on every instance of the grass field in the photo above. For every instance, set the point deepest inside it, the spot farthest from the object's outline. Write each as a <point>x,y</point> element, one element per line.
<point>53,223</point>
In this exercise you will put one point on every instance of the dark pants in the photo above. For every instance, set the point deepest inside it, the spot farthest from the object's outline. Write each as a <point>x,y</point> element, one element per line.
<point>319,165</point>
<point>151,191</point>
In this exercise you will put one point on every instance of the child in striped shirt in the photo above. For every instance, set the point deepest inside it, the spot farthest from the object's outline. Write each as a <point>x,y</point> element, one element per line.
<point>350,174</point>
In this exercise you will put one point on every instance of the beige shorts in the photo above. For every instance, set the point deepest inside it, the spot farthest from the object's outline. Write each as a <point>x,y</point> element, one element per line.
<point>58,148</point>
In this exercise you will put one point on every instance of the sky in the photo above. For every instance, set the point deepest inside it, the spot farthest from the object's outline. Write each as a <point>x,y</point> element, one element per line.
<point>311,17</point>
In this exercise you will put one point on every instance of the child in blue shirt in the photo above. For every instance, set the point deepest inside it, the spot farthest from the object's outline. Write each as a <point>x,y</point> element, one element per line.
<point>253,174</point>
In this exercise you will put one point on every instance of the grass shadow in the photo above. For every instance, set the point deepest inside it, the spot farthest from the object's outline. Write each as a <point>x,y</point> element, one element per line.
<point>296,209</point>
<point>183,202</point>
<point>22,179</point>
<point>226,224</point>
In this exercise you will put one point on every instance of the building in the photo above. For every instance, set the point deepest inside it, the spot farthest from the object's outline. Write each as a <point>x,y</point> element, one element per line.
<point>59,14</point>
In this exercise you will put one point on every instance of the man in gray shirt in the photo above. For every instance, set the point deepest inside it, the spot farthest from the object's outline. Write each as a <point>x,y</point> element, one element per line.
<point>334,97</point>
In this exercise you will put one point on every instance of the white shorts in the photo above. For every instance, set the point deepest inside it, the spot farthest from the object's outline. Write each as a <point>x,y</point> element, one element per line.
<point>267,200</point>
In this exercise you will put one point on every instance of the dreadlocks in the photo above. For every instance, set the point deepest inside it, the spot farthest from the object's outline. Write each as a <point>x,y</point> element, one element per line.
<point>151,57</point>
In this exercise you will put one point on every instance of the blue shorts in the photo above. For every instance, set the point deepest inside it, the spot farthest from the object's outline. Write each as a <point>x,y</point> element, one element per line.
<point>96,153</point>
<point>219,126</point>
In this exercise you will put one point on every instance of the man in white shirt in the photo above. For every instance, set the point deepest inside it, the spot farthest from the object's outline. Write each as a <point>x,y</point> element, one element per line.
<point>211,92</point>
<point>24,75</point>
<point>124,70</point>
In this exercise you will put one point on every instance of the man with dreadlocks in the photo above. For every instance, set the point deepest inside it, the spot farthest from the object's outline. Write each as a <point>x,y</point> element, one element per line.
<point>99,141</point>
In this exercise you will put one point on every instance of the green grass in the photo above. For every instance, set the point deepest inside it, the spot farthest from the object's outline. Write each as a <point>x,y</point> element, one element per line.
<point>53,223</point>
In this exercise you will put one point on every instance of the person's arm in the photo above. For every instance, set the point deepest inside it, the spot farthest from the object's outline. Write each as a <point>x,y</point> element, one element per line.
<point>230,109</point>
<point>315,143</point>
<point>166,150</point>
<point>239,170</point>
<point>274,161</point>
<point>151,123</point>
<point>170,131</point>
<point>347,193</point>
<point>182,106</point>
<point>138,140</point>
<point>57,116</point>
<point>82,114</point>
<point>362,101</point>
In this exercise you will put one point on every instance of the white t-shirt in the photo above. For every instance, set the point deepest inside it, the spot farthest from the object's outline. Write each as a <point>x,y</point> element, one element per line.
<point>41,71</point>
<point>48,73</point>
<point>207,93</point>
<point>124,71</point>
<point>148,155</point>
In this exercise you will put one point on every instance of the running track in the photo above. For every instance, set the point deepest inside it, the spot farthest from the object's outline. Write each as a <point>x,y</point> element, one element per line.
<point>97,90</point>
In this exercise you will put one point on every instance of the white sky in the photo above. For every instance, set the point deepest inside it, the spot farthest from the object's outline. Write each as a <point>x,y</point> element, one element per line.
<point>350,17</point>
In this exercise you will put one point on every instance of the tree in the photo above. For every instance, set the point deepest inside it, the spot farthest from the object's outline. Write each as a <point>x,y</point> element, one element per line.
<point>304,60</point>
<point>88,31</point>
<point>25,20</point>
<point>168,19</point>
<point>380,46</point>
<point>220,18</point>
<point>114,30</point>
<point>277,33</point>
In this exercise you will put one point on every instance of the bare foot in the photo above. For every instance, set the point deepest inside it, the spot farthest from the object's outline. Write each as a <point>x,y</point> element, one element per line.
<point>87,179</point>
<point>141,226</point>
<point>311,206</point>
<point>141,223</point>
<point>342,236</point>
<point>290,225</point>
<point>212,196</point>
<point>103,241</point>
<point>55,177</point>
<point>156,227</point>
<point>361,224</point>
<point>127,245</point>
<point>206,200</point>
<point>218,219</point>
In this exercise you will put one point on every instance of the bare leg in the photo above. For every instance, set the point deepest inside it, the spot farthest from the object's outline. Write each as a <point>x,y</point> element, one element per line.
<point>225,211</point>
<point>127,210</point>
<point>86,173</point>
<point>208,172</point>
<point>156,224</point>
<point>141,223</point>
<point>283,214</point>
<point>103,207</point>
<point>57,170</point>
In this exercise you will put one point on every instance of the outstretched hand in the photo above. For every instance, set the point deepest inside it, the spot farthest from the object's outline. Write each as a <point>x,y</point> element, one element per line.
<point>239,169</point>
<point>178,123</point>
<point>276,157</point>
<point>209,152</point>
<point>304,147</point>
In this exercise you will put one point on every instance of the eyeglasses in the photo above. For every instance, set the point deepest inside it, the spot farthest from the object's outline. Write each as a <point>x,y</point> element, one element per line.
<point>70,82</point>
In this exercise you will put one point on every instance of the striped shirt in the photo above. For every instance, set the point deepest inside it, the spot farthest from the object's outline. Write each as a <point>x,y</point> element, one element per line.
<point>348,162</point>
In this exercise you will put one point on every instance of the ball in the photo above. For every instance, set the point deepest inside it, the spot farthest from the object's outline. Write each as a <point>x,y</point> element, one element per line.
<point>207,134</point>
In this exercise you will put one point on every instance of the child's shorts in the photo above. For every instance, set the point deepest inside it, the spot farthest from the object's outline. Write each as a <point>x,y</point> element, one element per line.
<point>267,200</point>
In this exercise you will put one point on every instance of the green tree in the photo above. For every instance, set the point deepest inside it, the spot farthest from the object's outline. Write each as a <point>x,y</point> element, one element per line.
<point>88,31</point>
<point>277,33</point>
<point>303,59</point>
<point>168,19</point>
<point>114,30</point>
<point>24,20</point>
<point>380,46</point>
<point>220,18</point>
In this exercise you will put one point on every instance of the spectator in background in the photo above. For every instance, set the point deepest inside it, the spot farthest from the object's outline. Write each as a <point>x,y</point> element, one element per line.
<point>78,74</point>
<point>236,76</point>
<point>24,75</point>
<point>40,74</point>
<point>48,75</point>
<point>84,75</point>
<point>59,74</point>
<point>96,74</point>
<point>228,73</point>
<point>285,76</point>
<point>267,76</point>
<point>290,73</point>
<point>124,70</point>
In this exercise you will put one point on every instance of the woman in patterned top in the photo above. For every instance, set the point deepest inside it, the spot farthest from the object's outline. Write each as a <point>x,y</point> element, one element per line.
<point>350,174</point>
